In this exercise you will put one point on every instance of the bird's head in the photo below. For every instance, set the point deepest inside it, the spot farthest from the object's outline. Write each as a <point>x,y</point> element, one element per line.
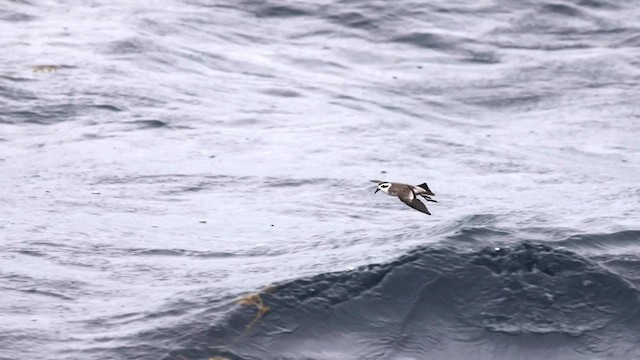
<point>384,187</point>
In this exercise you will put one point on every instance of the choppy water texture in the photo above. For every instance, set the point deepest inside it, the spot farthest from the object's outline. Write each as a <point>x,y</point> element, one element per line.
<point>188,179</point>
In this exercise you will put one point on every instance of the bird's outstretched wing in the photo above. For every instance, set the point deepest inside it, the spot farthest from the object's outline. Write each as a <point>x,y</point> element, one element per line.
<point>409,197</point>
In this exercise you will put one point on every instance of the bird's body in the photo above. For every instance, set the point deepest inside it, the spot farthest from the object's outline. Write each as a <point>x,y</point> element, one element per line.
<point>407,193</point>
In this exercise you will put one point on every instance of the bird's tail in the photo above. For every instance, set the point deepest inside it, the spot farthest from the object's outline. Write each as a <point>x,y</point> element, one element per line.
<point>426,197</point>
<point>426,187</point>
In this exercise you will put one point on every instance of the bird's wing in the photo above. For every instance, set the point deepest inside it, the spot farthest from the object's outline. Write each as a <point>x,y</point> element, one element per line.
<point>409,198</point>
<point>377,181</point>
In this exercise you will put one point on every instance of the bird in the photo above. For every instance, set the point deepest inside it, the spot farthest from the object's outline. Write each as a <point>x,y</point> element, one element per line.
<point>407,193</point>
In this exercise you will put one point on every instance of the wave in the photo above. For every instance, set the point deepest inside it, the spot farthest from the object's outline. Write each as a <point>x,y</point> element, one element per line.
<point>603,242</point>
<point>524,300</point>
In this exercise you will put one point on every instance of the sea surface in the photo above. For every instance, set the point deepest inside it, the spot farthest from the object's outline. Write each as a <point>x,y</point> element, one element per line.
<point>189,179</point>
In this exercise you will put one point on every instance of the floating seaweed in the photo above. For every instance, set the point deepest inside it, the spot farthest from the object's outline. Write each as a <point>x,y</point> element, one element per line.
<point>251,300</point>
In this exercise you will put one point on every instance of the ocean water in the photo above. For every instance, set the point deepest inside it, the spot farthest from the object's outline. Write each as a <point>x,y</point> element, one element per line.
<point>189,179</point>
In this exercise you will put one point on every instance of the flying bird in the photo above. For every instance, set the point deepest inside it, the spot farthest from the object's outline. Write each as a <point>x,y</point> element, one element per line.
<point>408,194</point>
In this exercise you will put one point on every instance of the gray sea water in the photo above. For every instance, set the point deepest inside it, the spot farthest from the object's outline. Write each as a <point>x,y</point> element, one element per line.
<point>160,160</point>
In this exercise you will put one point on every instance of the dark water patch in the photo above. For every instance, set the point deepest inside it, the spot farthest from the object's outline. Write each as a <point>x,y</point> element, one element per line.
<point>245,122</point>
<point>42,115</point>
<point>428,40</point>
<point>560,26</point>
<point>399,110</point>
<point>46,293</point>
<point>15,79</point>
<point>189,189</point>
<point>17,17</point>
<point>125,316</point>
<point>350,98</point>
<point>262,75</point>
<point>287,93</point>
<point>160,252</point>
<point>96,136</point>
<point>354,19</point>
<point>429,300</point>
<point>214,254</point>
<point>107,107</point>
<point>206,183</point>
<point>582,37</point>
<point>482,57</point>
<point>543,45</point>
<point>597,4</point>
<point>518,101</point>
<point>318,65</point>
<point>31,253</point>
<point>17,117</point>
<point>250,39</point>
<point>468,8</point>
<point>561,9</point>
<point>352,105</point>
<point>52,244</point>
<point>149,124</point>
<point>129,46</point>
<point>22,2</point>
<point>280,11</point>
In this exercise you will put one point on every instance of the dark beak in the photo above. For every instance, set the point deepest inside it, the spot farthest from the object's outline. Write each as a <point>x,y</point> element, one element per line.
<point>376,190</point>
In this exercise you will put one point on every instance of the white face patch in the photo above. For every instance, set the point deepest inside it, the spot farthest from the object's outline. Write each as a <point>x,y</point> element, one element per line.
<point>384,187</point>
